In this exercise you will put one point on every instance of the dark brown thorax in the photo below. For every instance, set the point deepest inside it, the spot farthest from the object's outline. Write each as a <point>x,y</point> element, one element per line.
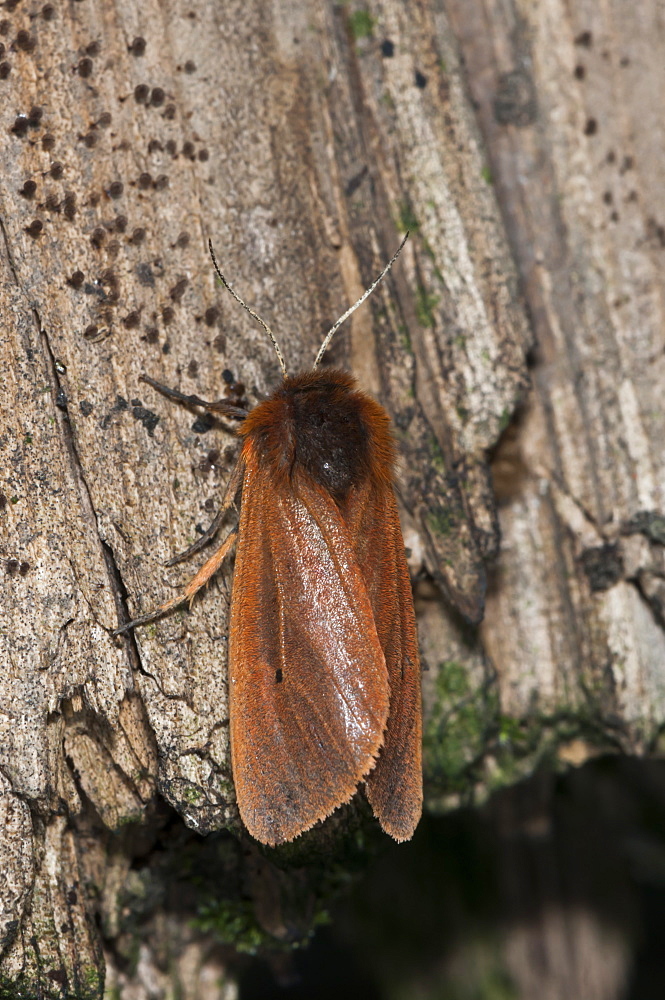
<point>321,423</point>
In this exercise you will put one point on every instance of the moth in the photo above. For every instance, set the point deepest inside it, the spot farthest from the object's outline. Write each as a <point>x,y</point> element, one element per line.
<point>324,671</point>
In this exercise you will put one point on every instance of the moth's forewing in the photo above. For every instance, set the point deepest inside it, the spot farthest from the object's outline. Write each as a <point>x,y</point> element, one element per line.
<point>309,692</point>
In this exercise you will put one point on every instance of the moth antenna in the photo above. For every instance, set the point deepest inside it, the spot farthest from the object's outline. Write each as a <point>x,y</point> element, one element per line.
<point>333,329</point>
<point>278,352</point>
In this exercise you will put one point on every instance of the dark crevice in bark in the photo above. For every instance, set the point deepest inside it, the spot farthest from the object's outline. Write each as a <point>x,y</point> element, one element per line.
<point>120,596</point>
<point>62,421</point>
<point>656,609</point>
<point>10,259</point>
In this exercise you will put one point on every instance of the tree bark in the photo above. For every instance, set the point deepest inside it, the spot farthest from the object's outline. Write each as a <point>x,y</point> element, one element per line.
<point>304,138</point>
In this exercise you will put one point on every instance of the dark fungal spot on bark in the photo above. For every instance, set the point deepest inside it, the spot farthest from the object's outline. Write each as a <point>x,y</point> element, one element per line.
<point>602,565</point>
<point>35,228</point>
<point>146,417</point>
<point>75,280</point>
<point>138,46</point>
<point>28,189</point>
<point>179,289</point>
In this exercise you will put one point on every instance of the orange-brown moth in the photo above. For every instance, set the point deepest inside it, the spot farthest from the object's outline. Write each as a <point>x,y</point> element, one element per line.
<point>324,672</point>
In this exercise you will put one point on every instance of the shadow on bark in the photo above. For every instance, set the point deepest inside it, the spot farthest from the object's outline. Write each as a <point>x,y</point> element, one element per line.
<point>555,889</point>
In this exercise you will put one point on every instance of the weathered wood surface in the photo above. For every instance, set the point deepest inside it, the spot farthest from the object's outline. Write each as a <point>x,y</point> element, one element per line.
<point>575,616</point>
<point>303,138</point>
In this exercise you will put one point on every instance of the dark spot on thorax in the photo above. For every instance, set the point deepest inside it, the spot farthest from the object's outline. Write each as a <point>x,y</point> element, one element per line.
<point>331,440</point>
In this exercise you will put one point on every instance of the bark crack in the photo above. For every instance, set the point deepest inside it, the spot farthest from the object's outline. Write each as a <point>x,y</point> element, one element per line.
<point>560,486</point>
<point>58,397</point>
<point>655,609</point>
<point>10,259</point>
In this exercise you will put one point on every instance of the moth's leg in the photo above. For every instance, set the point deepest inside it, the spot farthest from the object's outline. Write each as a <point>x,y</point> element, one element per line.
<point>232,487</point>
<point>202,541</point>
<point>209,567</point>
<point>230,492</point>
<point>219,406</point>
<point>199,580</point>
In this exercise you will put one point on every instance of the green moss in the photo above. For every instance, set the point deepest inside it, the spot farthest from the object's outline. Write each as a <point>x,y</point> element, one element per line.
<point>427,247</point>
<point>524,744</point>
<point>437,460</point>
<point>452,680</point>
<point>471,749</point>
<point>24,987</point>
<point>441,521</point>
<point>233,922</point>
<point>362,24</point>
<point>456,729</point>
<point>515,754</point>
<point>510,730</point>
<point>128,819</point>
<point>404,338</point>
<point>504,420</point>
<point>486,175</point>
<point>89,985</point>
<point>304,878</point>
<point>407,218</point>
<point>93,979</point>
<point>425,305</point>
